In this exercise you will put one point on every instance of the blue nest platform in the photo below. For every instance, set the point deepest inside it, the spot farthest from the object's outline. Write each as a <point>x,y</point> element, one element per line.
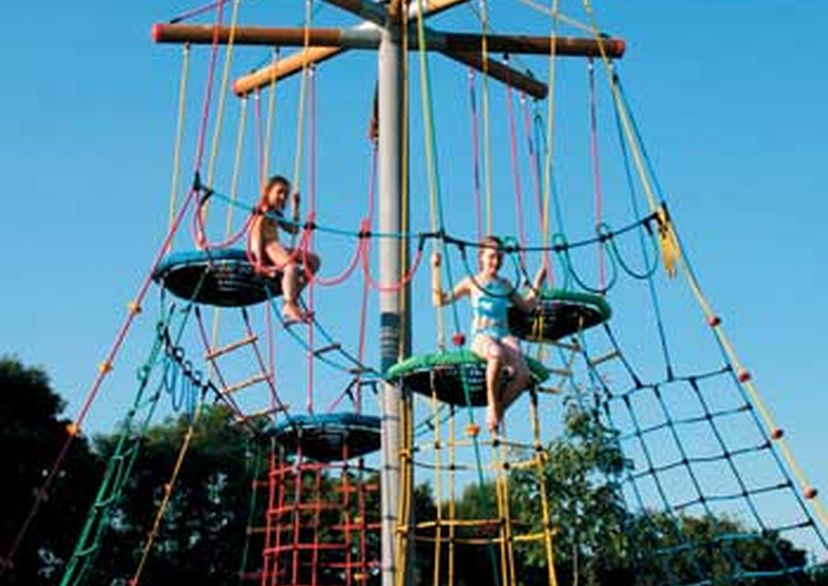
<point>215,277</point>
<point>559,314</point>
<point>330,437</point>
<point>451,375</point>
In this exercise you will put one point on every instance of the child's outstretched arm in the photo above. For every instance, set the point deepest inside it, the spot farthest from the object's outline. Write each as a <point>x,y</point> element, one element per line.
<point>440,297</point>
<point>528,303</point>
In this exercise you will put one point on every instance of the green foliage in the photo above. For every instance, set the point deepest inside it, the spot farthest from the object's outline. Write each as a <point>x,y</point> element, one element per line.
<point>202,534</point>
<point>32,433</point>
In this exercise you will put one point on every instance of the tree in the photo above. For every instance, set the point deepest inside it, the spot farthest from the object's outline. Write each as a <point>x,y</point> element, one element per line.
<point>201,536</point>
<point>586,507</point>
<point>32,433</point>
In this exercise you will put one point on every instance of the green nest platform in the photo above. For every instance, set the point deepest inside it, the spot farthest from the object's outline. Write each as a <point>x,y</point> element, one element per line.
<point>559,314</point>
<point>449,374</point>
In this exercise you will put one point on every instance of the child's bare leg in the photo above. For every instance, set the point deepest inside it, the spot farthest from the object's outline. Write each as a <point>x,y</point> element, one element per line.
<point>487,348</point>
<point>281,258</point>
<point>522,376</point>
<point>290,292</point>
<point>311,266</point>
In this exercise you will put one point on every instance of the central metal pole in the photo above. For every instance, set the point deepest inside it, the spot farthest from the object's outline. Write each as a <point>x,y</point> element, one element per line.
<point>393,318</point>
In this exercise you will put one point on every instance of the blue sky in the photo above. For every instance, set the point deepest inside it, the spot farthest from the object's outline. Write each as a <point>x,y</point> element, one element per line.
<point>728,95</point>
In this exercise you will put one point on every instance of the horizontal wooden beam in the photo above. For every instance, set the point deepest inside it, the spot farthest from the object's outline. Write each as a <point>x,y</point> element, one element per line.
<point>294,63</point>
<point>500,72</point>
<point>369,39</point>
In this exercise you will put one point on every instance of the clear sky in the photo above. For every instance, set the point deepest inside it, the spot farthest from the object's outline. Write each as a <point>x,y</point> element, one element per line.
<point>729,96</point>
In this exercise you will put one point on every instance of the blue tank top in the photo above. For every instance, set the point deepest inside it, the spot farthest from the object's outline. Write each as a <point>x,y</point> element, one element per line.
<point>490,303</point>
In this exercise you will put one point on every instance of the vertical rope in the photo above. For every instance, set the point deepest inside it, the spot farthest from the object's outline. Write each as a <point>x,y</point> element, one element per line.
<point>179,131</point>
<point>550,125</point>
<point>168,492</point>
<point>225,76</point>
<point>534,165</point>
<point>596,170</point>
<point>271,118</point>
<point>540,460</point>
<point>513,150</point>
<point>487,153</point>
<point>478,211</point>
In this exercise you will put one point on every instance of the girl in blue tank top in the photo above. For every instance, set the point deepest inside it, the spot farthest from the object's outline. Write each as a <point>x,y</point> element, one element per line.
<point>491,295</point>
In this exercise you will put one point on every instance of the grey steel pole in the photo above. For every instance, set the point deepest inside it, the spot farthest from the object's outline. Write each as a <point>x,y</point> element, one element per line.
<point>392,317</point>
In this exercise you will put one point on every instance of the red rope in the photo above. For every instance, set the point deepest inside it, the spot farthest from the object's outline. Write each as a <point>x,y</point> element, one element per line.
<point>297,498</point>
<point>478,213</point>
<point>317,514</point>
<point>208,94</point>
<point>366,257</point>
<point>282,491</point>
<point>257,122</point>
<point>200,237</point>
<point>596,168</point>
<point>308,244</point>
<point>197,11</point>
<point>346,272</point>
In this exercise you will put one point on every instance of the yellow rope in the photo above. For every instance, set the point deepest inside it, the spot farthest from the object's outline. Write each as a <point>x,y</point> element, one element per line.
<point>225,77</point>
<point>547,521</point>
<point>404,505</point>
<point>438,484</point>
<point>432,174</point>
<point>168,491</point>
<point>300,117</point>
<point>622,112</point>
<point>405,290</point>
<point>271,117</point>
<point>452,508</point>
<point>561,17</point>
<point>503,480</point>
<point>550,127</point>
<point>179,131</point>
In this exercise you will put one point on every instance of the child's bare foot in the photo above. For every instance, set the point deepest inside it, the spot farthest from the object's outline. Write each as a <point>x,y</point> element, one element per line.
<point>292,314</point>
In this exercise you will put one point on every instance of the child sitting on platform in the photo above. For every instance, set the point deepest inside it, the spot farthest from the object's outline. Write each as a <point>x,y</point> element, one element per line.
<point>270,256</point>
<point>507,373</point>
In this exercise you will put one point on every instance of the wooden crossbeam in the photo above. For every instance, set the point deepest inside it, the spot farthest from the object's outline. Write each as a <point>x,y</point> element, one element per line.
<point>216,352</point>
<point>368,38</point>
<point>314,55</point>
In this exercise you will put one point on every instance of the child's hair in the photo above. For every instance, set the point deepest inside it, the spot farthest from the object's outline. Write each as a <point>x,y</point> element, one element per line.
<point>489,241</point>
<point>274,180</point>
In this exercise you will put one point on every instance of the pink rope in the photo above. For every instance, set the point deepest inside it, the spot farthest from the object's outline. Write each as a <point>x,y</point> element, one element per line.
<point>259,138</point>
<point>197,11</point>
<point>596,168</point>
<point>201,238</point>
<point>476,157</point>
<point>366,256</point>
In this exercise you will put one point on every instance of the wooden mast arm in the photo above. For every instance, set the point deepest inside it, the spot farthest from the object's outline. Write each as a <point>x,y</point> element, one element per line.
<point>296,62</point>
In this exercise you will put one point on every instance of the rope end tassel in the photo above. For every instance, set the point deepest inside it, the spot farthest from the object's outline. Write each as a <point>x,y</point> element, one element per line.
<point>668,243</point>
